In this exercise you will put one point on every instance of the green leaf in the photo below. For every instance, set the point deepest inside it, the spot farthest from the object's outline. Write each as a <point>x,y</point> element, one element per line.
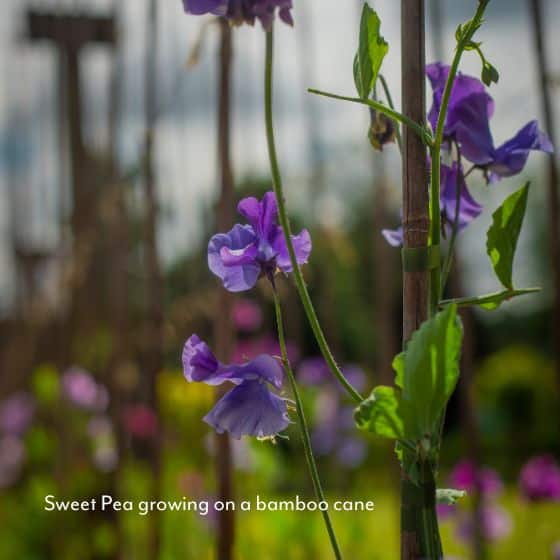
<point>489,73</point>
<point>449,496</point>
<point>489,301</point>
<point>372,49</point>
<point>502,237</point>
<point>431,370</point>
<point>381,413</point>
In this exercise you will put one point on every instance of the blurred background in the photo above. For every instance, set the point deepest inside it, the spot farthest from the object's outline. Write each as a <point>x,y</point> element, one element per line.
<point>110,180</point>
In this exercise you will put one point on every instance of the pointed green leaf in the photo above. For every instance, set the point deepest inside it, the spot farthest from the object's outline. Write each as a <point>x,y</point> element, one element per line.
<point>431,370</point>
<point>489,301</point>
<point>372,49</point>
<point>381,413</point>
<point>502,237</point>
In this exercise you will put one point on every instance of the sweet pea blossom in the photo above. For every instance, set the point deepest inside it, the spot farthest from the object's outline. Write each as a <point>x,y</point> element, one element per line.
<point>243,11</point>
<point>452,178</point>
<point>247,252</point>
<point>250,408</point>
<point>468,123</point>
<point>539,479</point>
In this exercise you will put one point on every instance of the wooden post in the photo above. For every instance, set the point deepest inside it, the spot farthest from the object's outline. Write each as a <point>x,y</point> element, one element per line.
<point>223,331</point>
<point>416,501</point>
<point>154,287</point>
<point>553,197</point>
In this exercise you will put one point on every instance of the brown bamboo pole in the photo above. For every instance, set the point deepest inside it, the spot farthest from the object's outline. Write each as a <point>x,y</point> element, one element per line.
<point>416,222</point>
<point>223,330</point>
<point>539,37</point>
<point>154,278</point>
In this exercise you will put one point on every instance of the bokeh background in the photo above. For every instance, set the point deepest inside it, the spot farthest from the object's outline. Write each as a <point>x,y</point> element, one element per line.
<point>93,260</point>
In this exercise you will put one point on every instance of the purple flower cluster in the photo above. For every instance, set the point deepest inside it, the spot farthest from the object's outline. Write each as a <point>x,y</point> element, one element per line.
<point>243,11</point>
<point>251,407</point>
<point>468,125</point>
<point>247,252</point>
<point>539,479</point>
<point>496,522</point>
<point>467,129</point>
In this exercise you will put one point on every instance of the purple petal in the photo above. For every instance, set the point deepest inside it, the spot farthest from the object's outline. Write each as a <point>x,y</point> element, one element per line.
<point>302,248</point>
<point>451,179</point>
<point>235,278</point>
<point>199,363</point>
<point>393,236</point>
<point>262,215</point>
<point>249,409</point>
<point>472,129</point>
<point>16,413</point>
<point>511,157</point>
<point>239,257</point>
<point>199,7</point>
<point>264,368</point>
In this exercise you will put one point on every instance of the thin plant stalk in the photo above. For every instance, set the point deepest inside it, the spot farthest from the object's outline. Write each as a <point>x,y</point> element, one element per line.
<point>302,423</point>
<point>285,224</point>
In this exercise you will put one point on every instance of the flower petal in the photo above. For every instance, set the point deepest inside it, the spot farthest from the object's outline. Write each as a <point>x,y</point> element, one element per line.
<point>511,157</point>
<point>235,278</point>
<point>261,214</point>
<point>249,409</point>
<point>393,236</point>
<point>302,247</point>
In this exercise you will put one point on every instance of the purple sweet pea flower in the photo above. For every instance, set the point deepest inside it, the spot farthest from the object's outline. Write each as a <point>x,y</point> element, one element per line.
<point>451,178</point>
<point>250,408</point>
<point>539,479</point>
<point>16,413</point>
<point>243,11</point>
<point>239,258</point>
<point>467,122</point>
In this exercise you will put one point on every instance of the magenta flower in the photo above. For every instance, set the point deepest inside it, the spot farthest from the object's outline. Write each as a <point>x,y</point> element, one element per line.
<point>81,389</point>
<point>250,408</point>
<point>468,123</point>
<point>250,348</point>
<point>539,479</point>
<point>239,258</point>
<point>247,315</point>
<point>16,413</point>
<point>243,11</point>
<point>452,178</point>
<point>140,421</point>
<point>464,477</point>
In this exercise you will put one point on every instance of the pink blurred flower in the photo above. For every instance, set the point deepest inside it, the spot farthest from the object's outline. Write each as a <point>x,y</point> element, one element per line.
<point>140,421</point>
<point>496,524</point>
<point>539,479</point>
<point>247,315</point>
<point>16,413</point>
<point>81,389</point>
<point>463,476</point>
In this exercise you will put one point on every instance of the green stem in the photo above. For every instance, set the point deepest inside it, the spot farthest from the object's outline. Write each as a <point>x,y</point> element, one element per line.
<point>285,224</point>
<point>303,426</point>
<point>435,152</point>
<point>389,98</point>
<point>423,133</point>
